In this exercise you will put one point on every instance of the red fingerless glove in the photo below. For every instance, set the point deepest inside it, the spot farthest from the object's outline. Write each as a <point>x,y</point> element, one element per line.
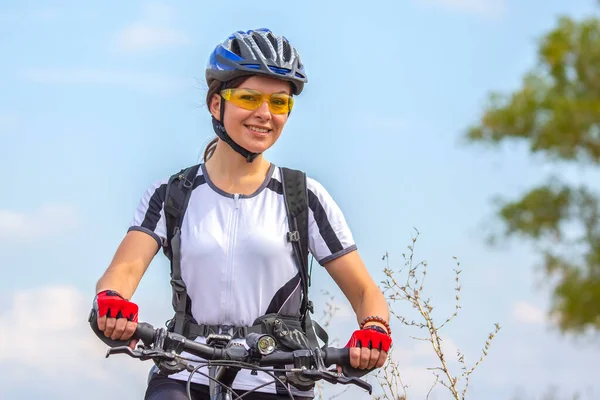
<point>113,305</point>
<point>371,338</point>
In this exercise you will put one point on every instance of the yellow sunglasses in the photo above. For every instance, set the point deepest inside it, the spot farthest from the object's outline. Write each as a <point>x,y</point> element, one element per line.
<point>248,99</point>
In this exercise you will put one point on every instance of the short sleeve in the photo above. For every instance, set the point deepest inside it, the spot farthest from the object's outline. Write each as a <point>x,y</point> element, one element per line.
<point>329,234</point>
<point>149,216</point>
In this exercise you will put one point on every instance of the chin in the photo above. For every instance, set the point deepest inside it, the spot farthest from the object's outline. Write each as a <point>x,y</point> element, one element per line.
<point>258,146</point>
<point>257,149</point>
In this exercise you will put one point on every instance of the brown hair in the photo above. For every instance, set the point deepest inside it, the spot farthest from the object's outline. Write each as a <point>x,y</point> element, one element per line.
<point>214,88</point>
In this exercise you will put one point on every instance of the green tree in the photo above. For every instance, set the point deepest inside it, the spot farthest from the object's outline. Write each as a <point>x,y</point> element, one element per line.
<point>556,112</point>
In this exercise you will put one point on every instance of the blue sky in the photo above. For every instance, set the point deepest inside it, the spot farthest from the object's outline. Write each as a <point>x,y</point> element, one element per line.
<point>98,101</point>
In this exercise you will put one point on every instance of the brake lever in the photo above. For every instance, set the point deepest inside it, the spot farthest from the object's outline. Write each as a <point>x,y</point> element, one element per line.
<point>142,354</point>
<point>123,350</point>
<point>332,376</point>
<point>352,380</point>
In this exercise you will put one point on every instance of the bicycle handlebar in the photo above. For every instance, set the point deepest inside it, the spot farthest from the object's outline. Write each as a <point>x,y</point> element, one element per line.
<point>147,333</point>
<point>167,343</point>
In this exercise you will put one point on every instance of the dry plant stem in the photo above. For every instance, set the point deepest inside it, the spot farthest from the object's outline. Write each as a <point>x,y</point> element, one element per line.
<point>437,346</point>
<point>457,289</point>
<point>461,360</point>
<point>330,311</point>
<point>486,348</point>
<point>432,386</point>
<point>392,380</point>
<point>326,319</point>
<point>339,394</point>
<point>319,388</point>
<point>414,296</point>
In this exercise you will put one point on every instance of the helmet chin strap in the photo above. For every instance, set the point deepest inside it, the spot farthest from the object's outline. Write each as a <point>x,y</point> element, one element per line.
<point>224,136</point>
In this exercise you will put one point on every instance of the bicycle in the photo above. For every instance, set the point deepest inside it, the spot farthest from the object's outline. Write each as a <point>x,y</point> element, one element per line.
<point>224,359</point>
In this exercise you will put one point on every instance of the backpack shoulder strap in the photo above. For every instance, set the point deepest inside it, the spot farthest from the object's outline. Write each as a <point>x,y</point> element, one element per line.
<point>177,197</point>
<point>295,192</point>
<point>296,200</point>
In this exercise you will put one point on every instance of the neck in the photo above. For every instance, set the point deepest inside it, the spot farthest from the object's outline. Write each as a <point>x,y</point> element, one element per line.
<point>226,163</point>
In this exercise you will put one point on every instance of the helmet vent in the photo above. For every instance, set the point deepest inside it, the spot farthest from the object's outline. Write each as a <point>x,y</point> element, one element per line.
<point>272,39</point>
<point>287,51</point>
<point>262,45</point>
<point>235,47</point>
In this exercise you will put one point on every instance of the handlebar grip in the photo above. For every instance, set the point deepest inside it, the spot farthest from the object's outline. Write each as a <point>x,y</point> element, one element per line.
<point>93,320</point>
<point>144,331</point>
<point>341,357</point>
<point>333,355</point>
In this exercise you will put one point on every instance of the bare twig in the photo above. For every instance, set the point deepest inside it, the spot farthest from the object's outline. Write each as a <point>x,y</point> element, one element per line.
<point>339,394</point>
<point>432,386</point>
<point>457,289</point>
<point>412,291</point>
<point>391,382</point>
<point>328,313</point>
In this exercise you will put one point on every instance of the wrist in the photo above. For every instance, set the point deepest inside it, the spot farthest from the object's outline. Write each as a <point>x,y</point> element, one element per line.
<point>110,292</point>
<point>376,328</point>
<point>373,323</point>
<point>375,320</point>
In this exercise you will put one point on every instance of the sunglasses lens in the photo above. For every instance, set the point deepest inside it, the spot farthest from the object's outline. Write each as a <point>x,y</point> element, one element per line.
<point>248,99</point>
<point>279,103</point>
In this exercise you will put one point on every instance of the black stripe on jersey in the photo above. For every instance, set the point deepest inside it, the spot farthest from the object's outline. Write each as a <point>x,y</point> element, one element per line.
<point>325,229</point>
<point>275,186</point>
<point>155,205</point>
<point>283,295</point>
<point>327,233</point>
<point>200,180</point>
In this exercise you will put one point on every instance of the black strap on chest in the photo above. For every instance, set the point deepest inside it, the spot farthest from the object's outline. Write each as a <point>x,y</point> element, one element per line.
<point>296,201</point>
<point>179,189</point>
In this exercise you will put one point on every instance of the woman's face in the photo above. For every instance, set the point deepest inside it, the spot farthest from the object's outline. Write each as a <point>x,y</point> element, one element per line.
<point>254,130</point>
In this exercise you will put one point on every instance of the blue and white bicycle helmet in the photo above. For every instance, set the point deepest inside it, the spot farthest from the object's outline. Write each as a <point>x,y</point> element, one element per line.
<point>253,52</point>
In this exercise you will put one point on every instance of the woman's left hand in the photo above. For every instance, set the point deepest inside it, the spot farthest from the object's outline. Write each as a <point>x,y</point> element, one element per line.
<point>369,348</point>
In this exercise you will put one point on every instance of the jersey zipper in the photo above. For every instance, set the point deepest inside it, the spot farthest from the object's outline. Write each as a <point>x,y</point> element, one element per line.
<point>232,239</point>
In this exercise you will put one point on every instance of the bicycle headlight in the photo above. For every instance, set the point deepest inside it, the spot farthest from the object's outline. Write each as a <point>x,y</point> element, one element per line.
<point>265,345</point>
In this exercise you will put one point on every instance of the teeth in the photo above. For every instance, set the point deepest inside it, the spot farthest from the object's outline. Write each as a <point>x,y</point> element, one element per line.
<point>262,130</point>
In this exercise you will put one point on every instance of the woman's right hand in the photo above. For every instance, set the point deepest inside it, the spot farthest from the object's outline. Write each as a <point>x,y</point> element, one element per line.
<point>117,316</point>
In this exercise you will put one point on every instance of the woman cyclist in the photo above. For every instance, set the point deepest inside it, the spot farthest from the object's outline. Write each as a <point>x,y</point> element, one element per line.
<point>235,260</point>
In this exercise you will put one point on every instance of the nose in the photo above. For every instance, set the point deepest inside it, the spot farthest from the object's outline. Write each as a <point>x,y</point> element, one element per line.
<point>263,111</point>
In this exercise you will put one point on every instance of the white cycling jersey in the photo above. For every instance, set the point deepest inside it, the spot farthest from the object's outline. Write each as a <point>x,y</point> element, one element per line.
<point>236,261</point>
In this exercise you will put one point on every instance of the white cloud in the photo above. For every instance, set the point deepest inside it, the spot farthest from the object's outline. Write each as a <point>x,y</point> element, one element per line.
<point>490,8</point>
<point>45,334</point>
<point>528,313</point>
<point>44,326</point>
<point>145,81</point>
<point>46,221</point>
<point>152,31</point>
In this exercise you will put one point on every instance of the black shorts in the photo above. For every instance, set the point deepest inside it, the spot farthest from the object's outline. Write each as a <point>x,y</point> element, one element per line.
<point>162,388</point>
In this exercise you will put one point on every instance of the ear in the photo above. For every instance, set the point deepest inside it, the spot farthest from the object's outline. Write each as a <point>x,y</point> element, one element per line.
<point>215,106</point>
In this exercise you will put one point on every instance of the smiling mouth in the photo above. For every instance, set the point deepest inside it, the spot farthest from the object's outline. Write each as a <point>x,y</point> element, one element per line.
<point>258,129</point>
